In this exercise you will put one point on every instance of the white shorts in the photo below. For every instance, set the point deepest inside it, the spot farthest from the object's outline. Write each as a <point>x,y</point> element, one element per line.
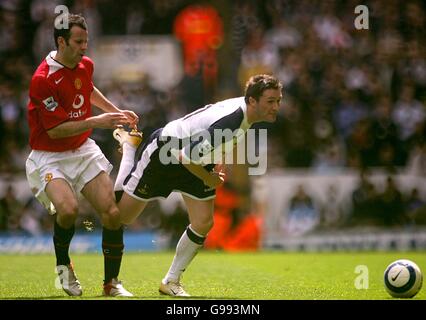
<point>77,167</point>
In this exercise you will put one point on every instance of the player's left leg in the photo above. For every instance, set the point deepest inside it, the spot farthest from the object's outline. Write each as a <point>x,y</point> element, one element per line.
<point>60,193</point>
<point>201,221</point>
<point>99,193</point>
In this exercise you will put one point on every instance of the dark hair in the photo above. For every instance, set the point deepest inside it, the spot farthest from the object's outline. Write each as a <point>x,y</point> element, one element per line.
<point>73,20</point>
<point>259,83</point>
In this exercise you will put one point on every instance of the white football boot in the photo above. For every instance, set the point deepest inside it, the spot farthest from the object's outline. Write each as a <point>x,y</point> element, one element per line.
<point>68,279</point>
<point>115,288</point>
<point>173,289</point>
<point>134,137</point>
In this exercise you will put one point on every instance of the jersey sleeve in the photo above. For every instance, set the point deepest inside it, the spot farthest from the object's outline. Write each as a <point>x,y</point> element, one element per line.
<point>46,100</point>
<point>208,146</point>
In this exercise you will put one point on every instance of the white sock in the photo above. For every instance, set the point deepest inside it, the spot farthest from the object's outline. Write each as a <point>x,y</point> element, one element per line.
<point>186,250</point>
<point>126,165</point>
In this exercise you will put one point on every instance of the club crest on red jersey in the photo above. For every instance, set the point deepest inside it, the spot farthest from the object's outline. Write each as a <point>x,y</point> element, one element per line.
<point>77,83</point>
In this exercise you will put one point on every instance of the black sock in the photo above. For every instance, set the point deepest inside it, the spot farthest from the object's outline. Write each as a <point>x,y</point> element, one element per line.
<point>61,241</point>
<point>112,247</point>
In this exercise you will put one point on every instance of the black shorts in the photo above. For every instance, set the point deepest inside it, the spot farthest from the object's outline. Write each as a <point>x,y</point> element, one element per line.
<point>151,179</point>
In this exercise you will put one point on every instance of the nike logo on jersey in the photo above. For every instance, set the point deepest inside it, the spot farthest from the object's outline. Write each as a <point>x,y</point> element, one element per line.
<point>59,80</point>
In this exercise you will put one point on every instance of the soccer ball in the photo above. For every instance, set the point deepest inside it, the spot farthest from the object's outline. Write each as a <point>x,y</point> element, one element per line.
<point>403,279</point>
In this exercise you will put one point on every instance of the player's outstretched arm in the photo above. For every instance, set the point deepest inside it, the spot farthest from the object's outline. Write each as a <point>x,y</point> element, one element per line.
<point>73,128</point>
<point>100,101</point>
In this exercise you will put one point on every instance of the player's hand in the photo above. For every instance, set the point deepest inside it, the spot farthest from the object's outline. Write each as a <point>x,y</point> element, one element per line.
<point>110,120</point>
<point>132,118</point>
<point>215,179</point>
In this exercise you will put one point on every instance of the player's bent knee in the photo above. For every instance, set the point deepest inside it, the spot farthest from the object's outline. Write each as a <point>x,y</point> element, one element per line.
<point>66,214</point>
<point>114,213</point>
<point>67,210</point>
<point>111,217</point>
<point>202,227</point>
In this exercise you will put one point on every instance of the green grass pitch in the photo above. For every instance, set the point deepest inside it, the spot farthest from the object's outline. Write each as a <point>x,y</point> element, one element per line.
<point>215,275</point>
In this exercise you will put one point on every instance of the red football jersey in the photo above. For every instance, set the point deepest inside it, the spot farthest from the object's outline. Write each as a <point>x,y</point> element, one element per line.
<point>59,94</point>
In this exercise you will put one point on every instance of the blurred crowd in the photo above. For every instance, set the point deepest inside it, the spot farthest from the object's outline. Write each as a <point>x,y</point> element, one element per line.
<point>372,204</point>
<point>352,98</point>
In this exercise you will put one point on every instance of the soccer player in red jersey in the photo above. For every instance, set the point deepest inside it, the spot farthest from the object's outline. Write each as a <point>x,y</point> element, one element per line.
<point>64,161</point>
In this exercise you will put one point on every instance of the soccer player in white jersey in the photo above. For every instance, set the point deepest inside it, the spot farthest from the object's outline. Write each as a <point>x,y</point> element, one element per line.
<point>181,157</point>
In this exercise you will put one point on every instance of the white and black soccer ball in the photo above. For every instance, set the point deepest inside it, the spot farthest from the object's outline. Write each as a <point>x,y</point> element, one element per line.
<point>403,279</point>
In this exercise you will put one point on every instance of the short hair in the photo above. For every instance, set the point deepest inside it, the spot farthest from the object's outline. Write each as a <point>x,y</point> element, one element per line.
<point>257,84</point>
<point>73,20</point>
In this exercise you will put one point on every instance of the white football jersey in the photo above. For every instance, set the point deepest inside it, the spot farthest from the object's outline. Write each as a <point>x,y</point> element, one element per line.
<point>208,133</point>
